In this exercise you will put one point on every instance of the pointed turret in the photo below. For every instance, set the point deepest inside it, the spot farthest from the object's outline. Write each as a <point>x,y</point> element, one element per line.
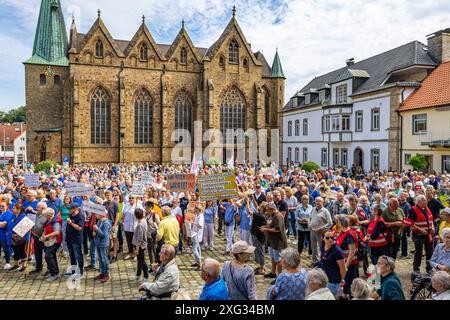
<point>73,37</point>
<point>50,42</point>
<point>277,69</point>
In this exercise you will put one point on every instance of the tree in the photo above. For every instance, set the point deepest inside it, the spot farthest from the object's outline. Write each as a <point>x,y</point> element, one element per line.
<point>418,162</point>
<point>14,115</point>
<point>310,166</point>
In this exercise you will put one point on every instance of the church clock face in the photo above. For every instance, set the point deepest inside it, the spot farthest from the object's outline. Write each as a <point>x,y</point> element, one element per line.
<point>49,71</point>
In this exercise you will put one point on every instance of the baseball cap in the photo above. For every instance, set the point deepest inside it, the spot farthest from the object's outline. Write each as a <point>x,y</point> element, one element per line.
<point>73,205</point>
<point>242,247</point>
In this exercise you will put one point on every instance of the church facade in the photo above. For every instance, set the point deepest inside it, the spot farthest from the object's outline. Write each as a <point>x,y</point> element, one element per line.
<point>93,99</point>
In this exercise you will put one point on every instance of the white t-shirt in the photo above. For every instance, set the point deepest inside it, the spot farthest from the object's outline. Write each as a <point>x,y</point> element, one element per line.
<point>196,231</point>
<point>177,211</point>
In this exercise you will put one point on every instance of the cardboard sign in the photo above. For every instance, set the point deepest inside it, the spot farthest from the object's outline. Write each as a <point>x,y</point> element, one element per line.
<point>79,190</point>
<point>147,178</point>
<point>217,186</point>
<point>181,182</point>
<point>23,226</point>
<point>32,180</point>
<point>94,208</point>
<point>138,188</point>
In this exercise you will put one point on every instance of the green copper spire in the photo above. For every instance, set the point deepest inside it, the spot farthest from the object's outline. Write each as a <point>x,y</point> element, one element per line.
<point>277,69</point>
<point>50,43</point>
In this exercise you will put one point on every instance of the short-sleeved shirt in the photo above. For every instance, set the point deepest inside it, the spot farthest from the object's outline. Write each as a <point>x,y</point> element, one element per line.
<point>169,230</point>
<point>328,263</point>
<point>277,240</point>
<point>397,215</point>
<point>113,210</point>
<point>72,235</point>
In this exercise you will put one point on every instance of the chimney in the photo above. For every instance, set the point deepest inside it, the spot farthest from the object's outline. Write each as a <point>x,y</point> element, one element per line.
<point>350,62</point>
<point>439,45</point>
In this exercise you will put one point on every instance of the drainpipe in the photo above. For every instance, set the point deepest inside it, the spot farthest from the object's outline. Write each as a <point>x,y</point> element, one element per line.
<point>401,132</point>
<point>161,101</point>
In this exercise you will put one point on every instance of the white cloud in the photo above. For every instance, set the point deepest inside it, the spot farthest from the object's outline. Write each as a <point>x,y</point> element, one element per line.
<point>313,36</point>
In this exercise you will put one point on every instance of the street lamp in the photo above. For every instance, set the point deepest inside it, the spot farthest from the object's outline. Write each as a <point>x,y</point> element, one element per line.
<point>122,139</point>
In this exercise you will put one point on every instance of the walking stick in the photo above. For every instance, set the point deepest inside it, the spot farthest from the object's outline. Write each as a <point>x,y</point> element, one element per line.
<point>28,250</point>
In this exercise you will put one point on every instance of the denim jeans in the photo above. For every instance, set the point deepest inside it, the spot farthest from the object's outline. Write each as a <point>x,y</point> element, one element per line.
<point>141,264</point>
<point>292,224</point>
<point>50,259</point>
<point>334,288</point>
<point>76,256</point>
<point>103,260</point>
<point>196,250</point>
<point>6,249</point>
<point>63,230</point>
<point>38,252</point>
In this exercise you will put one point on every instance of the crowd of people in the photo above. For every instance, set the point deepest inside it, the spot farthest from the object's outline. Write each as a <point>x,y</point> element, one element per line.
<point>354,228</point>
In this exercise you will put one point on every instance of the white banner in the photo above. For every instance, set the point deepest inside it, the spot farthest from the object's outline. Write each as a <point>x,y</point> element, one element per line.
<point>32,180</point>
<point>23,226</point>
<point>79,190</point>
<point>138,188</point>
<point>147,178</point>
<point>94,208</point>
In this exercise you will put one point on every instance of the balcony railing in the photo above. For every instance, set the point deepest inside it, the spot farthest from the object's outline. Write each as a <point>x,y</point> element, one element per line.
<point>435,138</point>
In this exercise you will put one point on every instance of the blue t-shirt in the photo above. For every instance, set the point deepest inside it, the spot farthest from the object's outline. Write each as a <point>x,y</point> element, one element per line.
<point>246,219</point>
<point>209,215</point>
<point>216,290</point>
<point>230,212</point>
<point>54,204</point>
<point>328,263</point>
<point>72,235</point>
<point>7,216</point>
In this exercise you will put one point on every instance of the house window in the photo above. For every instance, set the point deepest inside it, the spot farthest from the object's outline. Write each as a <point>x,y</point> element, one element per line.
<point>375,119</point>
<point>143,118</point>
<point>344,157</point>
<point>335,123</point>
<point>324,157</point>
<point>183,57</point>
<point>289,128</point>
<point>305,155</point>
<point>57,80</point>
<point>341,93</point>
<point>297,127</point>
<point>327,124</point>
<point>419,123</point>
<point>42,80</point>
<point>407,158</point>
<point>335,158</point>
<point>375,159</point>
<point>322,96</point>
<point>143,52</point>
<point>359,121</point>
<point>100,117</point>
<point>99,49</point>
<point>245,65</point>
<point>346,123</point>
<point>305,127</point>
<point>297,154</point>
<point>233,52</point>
<point>289,154</point>
<point>308,99</point>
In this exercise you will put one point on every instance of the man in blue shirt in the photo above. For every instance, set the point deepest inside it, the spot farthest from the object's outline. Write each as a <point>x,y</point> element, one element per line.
<point>74,238</point>
<point>30,205</point>
<point>245,225</point>
<point>6,217</point>
<point>215,288</point>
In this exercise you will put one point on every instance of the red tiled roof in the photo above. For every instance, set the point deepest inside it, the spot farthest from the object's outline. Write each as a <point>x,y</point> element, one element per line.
<point>434,92</point>
<point>8,132</point>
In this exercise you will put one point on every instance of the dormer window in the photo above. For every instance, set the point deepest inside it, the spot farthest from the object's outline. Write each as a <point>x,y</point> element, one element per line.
<point>143,52</point>
<point>308,99</point>
<point>322,96</point>
<point>341,93</point>
<point>183,57</point>
<point>233,52</point>
<point>99,49</point>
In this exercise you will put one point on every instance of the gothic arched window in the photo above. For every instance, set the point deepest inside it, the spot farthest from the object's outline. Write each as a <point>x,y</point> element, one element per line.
<point>143,52</point>
<point>43,150</point>
<point>266,106</point>
<point>183,58</point>
<point>99,48</point>
<point>233,52</point>
<point>100,117</point>
<point>143,118</point>
<point>183,115</point>
<point>232,111</point>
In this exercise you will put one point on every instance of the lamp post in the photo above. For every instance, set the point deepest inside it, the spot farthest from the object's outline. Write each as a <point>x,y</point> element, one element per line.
<point>122,139</point>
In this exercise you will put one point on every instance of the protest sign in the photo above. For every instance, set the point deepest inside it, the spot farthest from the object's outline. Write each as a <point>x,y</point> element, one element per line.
<point>181,182</point>
<point>94,208</point>
<point>147,178</point>
<point>138,188</point>
<point>23,226</point>
<point>217,186</point>
<point>79,189</point>
<point>32,180</point>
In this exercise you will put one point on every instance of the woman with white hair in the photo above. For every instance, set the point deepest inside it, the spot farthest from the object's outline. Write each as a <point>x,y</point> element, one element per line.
<point>445,220</point>
<point>360,290</point>
<point>317,286</point>
<point>440,259</point>
<point>441,283</point>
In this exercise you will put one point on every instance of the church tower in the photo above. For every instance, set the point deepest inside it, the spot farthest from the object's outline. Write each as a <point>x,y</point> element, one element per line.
<point>45,75</point>
<point>279,81</point>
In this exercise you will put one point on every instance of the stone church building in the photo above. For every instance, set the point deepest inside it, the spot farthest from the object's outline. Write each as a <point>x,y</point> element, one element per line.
<point>92,99</point>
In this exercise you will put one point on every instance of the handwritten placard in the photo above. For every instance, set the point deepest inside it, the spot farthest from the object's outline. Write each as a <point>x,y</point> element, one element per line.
<point>79,190</point>
<point>32,180</point>
<point>138,188</point>
<point>181,182</point>
<point>217,186</point>
<point>94,208</point>
<point>147,178</point>
<point>23,226</point>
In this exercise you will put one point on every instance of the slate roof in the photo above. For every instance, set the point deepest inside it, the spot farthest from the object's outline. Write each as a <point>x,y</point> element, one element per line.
<point>434,92</point>
<point>378,67</point>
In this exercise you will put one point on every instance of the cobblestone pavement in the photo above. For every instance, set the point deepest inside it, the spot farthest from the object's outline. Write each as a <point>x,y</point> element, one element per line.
<point>122,286</point>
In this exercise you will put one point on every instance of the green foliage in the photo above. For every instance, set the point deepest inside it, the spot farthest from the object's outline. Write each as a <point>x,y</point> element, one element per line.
<point>418,162</point>
<point>45,166</point>
<point>14,115</point>
<point>213,162</point>
<point>444,200</point>
<point>310,166</point>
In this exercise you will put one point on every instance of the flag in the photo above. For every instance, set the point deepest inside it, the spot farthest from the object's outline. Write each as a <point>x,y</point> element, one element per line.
<point>230,162</point>
<point>194,166</point>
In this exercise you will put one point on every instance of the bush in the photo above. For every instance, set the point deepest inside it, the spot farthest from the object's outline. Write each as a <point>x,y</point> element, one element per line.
<point>213,161</point>
<point>418,162</point>
<point>310,166</point>
<point>45,166</point>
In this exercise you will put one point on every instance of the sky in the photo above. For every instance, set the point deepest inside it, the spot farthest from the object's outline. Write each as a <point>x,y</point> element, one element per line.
<point>313,36</point>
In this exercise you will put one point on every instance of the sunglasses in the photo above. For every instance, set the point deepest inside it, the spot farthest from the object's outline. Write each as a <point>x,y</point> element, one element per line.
<point>329,238</point>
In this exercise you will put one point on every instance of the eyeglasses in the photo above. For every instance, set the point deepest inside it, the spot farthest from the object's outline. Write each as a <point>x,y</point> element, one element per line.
<point>329,238</point>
